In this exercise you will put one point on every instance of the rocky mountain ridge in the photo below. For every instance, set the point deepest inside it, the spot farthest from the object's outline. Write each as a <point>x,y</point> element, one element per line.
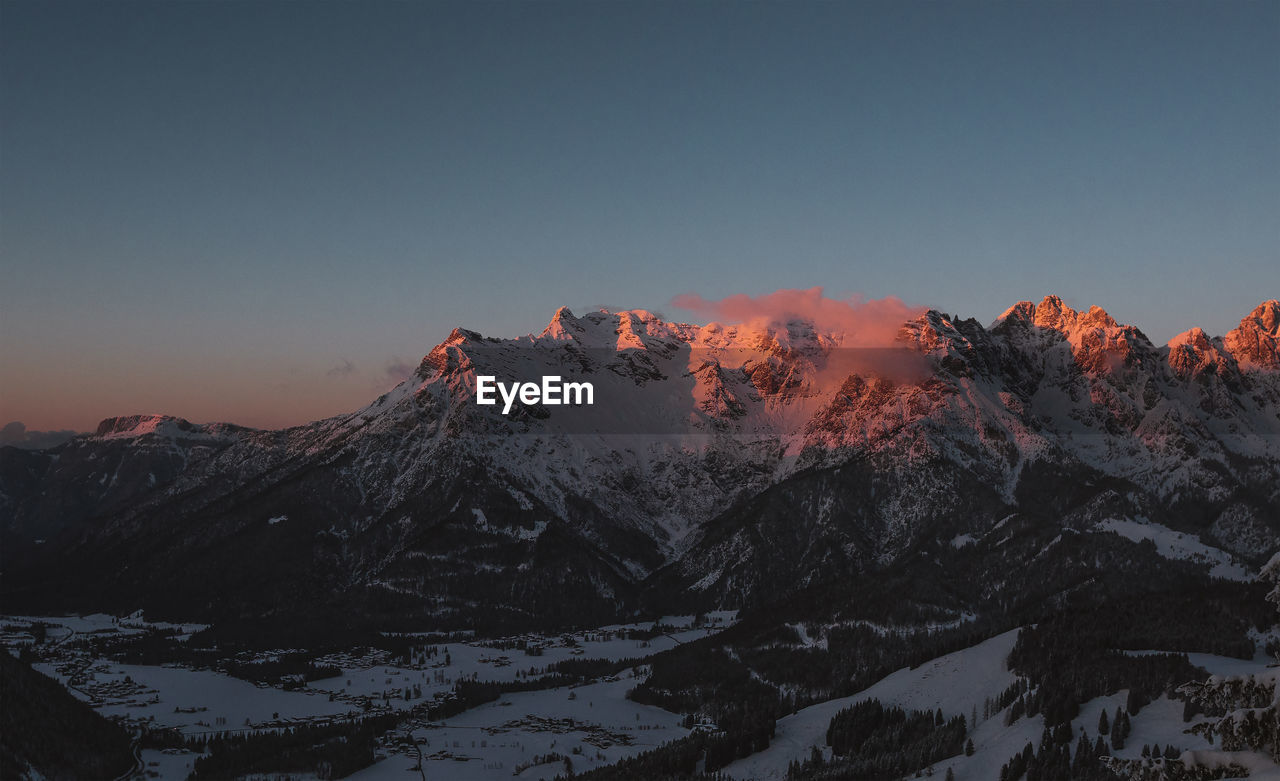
<point>723,464</point>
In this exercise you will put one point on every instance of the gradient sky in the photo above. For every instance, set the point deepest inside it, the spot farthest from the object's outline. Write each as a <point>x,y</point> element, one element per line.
<point>263,211</point>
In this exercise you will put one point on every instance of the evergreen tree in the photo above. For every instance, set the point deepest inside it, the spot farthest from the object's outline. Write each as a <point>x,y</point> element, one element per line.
<point>1189,710</point>
<point>1136,700</point>
<point>1083,757</point>
<point>1062,734</point>
<point>1104,726</point>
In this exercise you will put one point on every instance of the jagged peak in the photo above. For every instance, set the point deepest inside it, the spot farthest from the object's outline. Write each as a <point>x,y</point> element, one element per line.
<point>933,322</point>
<point>1193,352</point>
<point>1021,312</point>
<point>1097,317</point>
<point>563,325</point>
<point>1055,314</point>
<point>1194,338</point>
<point>1097,341</point>
<point>1256,341</point>
<point>447,355</point>
<point>458,336</point>
<point>1264,317</point>
<point>636,321</point>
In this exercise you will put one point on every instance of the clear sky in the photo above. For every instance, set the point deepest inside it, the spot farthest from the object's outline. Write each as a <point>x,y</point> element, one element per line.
<point>263,211</point>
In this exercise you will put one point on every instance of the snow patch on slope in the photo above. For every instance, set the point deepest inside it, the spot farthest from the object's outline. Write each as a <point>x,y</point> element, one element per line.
<point>1178,546</point>
<point>957,683</point>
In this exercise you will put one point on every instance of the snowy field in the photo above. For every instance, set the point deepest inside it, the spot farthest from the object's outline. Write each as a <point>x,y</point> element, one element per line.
<point>364,677</point>
<point>956,683</point>
<point>591,725</point>
<point>203,701</point>
<point>541,734</point>
<point>526,735</point>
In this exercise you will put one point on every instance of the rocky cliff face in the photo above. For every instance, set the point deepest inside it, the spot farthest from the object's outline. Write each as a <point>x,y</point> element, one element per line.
<point>720,464</point>
<point>1254,344</point>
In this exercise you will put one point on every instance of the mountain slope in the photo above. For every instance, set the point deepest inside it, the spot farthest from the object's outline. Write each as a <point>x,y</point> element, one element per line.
<point>37,725</point>
<point>726,465</point>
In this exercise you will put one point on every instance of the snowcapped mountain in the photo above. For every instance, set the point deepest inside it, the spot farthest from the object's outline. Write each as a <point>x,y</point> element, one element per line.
<point>719,464</point>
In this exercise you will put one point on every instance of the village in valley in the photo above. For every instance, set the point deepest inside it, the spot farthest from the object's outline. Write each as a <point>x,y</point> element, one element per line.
<point>431,697</point>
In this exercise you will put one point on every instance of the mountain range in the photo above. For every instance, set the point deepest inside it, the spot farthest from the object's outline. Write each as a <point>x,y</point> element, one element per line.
<point>719,467</point>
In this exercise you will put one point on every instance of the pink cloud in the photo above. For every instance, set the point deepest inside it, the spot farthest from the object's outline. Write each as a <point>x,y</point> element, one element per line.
<point>863,322</point>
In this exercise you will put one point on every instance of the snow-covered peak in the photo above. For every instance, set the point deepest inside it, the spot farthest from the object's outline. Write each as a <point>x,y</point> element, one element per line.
<point>1052,313</point>
<point>639,329</point>
<point>1192,352</point>
<point>134,426</point>
<point>446,356</point>
<point>139,425</point>
<point>1021,312</point>
<point>932,332</point>
<point>1266,316</point>
<point>458,336</point>
<point>1256,342</point>
<point>1194,338</point>
<point>688,419</point>
<point>640,315</point>
<point>1097,341</point>
<point>1029,333</point>
<point>630,329</point>
<point>563,326</point>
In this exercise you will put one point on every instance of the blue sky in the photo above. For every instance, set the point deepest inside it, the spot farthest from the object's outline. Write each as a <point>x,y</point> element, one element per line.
<point>260,211</point>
